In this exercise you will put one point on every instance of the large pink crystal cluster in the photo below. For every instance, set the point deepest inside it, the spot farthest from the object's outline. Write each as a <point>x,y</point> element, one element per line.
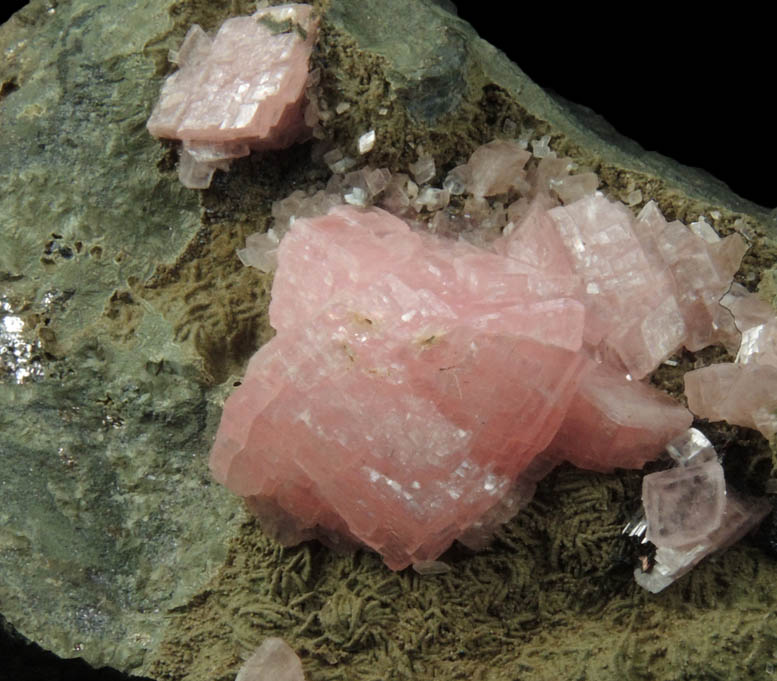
<point>418,386</point>
<point>243,89</point>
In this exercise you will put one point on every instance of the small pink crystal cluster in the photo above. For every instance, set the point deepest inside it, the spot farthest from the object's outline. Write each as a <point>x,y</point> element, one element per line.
<point>418,385</point>
<point>243,89</point>
<point>743,392</point>
<point>691,512</point>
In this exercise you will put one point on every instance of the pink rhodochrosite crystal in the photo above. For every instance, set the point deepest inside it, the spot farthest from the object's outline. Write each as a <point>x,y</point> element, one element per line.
<point>650,286</point>
<point>415,379</point>
<point>690,512</point>
<point>274,660</point>
<point>412,379</point>
<point>743,392</point>
<point>429,369</point>
<point>243,89</point>
<point>684,505</point>
<point>616,423</point>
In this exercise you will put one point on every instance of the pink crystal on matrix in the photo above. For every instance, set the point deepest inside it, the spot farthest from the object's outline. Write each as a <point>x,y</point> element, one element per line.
<point>429,370</point>
<point>690,512</point>
<point>616,423</point>
<point>413,381</point>
<point>684,506</point>
<point>743,392</point>
<point>274,660</point>
<point>242,90</point>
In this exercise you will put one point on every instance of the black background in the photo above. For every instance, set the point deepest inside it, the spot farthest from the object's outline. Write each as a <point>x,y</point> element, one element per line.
<point>698,88</point>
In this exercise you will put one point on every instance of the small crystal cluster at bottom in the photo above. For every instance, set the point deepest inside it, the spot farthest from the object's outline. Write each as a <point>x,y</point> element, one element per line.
<point>690,512</point>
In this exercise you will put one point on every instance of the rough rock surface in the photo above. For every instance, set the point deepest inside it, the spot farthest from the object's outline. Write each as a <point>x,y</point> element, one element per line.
<point>101,406</point>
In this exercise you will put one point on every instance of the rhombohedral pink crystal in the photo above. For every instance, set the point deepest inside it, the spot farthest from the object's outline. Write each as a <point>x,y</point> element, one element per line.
<point>690,512</point>
<point>274,660</point>
<point>418,386</point>
<point>743,392</point>
<point>243,89</point>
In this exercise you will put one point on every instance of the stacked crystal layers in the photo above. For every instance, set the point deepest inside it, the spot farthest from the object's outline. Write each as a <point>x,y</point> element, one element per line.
<point>743,392</point>
<point>419,386</point>
<point>243,89</point>
<point>691,512</point>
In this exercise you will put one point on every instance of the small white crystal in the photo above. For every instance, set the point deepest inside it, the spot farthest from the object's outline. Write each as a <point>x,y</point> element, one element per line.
<point>343,165</point>
<point>759,345</point>
<point>509,127</point>
<point>457,181</point>
<point>574,187</point>
<point>431,567</point>
<point>525,138</point>
<point>377,180</point>
<point>194,175</point>
<point>331,157</point>
<point>337,162</point>
<point>261,251</point>
<point>634,197</point>
<point>691,447</point>
<point>432,199</point>
<point>356,197</point>
<point>704,230</point>
<point>366,142</point>
<point>541,148</point>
